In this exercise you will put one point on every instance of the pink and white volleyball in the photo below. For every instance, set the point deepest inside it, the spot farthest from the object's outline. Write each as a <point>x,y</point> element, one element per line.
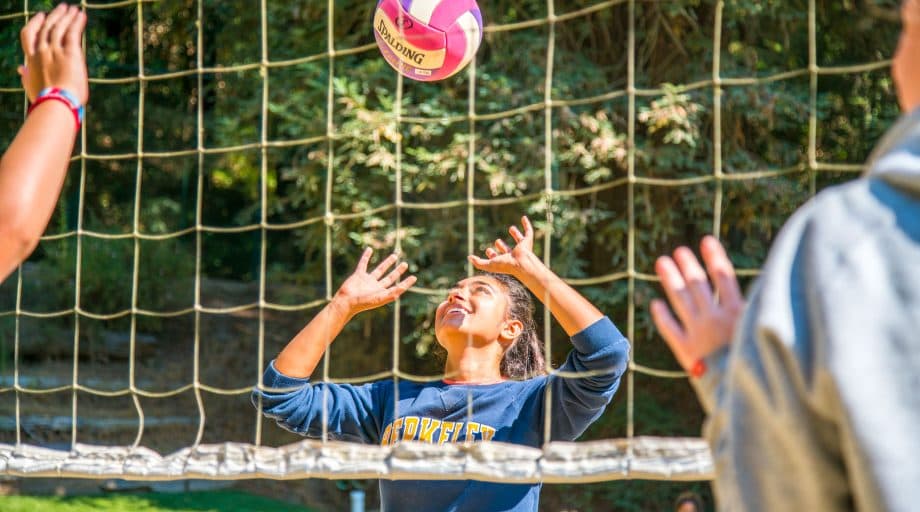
<point>428,40</point>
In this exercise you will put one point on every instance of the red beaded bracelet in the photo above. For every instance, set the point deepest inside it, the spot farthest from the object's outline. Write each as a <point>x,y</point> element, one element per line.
<point>55,93</point>
<point>698,369</point>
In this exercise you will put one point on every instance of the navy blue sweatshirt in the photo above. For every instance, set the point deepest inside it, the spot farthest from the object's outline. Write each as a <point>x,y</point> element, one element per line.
<point>509,411</point>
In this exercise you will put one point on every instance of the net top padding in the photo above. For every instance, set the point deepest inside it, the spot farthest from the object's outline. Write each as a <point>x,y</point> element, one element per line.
<point>654,458</point>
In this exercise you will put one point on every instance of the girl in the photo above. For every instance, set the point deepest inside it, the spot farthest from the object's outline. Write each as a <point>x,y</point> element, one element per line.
<point>493,355</point>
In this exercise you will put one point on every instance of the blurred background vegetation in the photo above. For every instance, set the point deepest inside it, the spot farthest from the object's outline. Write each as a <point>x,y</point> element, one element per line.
<point>236,183</point>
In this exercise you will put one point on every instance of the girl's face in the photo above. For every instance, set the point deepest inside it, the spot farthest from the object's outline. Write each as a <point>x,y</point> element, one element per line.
<point>474,313</point>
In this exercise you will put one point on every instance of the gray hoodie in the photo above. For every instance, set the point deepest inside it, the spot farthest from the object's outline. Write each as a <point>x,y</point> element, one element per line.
<point>815,406</point>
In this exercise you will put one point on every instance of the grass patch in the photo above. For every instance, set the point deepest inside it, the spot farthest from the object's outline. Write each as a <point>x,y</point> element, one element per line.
<point>204,501</point>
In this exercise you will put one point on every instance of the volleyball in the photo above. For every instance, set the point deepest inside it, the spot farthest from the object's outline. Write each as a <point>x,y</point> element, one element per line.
<point>428,40</point>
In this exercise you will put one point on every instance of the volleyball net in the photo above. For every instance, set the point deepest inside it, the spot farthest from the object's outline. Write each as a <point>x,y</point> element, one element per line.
<point>193,234</point>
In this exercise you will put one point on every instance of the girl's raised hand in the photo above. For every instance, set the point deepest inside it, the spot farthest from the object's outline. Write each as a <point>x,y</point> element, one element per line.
<point>502,259</point>
<point>365,290</point>
<point>53,53</point>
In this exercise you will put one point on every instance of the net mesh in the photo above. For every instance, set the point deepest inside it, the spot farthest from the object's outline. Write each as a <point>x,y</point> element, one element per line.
<point>631,456</point>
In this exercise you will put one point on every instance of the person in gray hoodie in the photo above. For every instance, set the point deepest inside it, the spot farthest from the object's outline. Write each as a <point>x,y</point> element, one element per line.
<point>812,388</point>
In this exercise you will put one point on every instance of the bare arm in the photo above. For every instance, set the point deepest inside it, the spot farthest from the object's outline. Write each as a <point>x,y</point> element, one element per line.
<point>569,308</point>
<point>31,175</point>
<point>33,168</point>
<point>362,290</point>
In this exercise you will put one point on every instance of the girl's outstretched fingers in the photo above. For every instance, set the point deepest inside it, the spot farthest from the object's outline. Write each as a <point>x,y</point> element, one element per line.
<point>403,286</point>
<point>75,30</point>
<point>44,35</point>
<point>384,265</point>
<point>56,34</point>
<point>28,36</point>
<point>525,239</point>
<point>481,263</point>
<point>364,260</point>
<point>516,234</point>
<point>503,258</point>
<point>394,275</point>
<point>528,227</point>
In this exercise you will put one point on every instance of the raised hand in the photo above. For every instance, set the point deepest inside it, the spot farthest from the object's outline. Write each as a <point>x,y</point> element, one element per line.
<point>53,54</point>
<point>570,308</point>
<point>705,320</point>
<point>503,259</point>
<point>365,290</point>
<point>362,290</point>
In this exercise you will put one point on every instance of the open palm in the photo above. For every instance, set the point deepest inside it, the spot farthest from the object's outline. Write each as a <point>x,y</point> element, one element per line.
<point>501,258</point>
<point>365,290</point>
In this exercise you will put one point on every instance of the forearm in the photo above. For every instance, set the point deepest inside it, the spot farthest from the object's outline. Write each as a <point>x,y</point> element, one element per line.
<point>303,353</point>
<point>600,357</point>
<point>32,172</point>
<point>339,411</point>
<point>569,308</point>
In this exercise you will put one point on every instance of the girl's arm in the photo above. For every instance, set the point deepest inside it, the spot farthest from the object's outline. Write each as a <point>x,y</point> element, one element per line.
<point>362,290</point>
<point>600,352</point>
<point>32,169</point>
<point>569,308</point>
<point>340,411</point>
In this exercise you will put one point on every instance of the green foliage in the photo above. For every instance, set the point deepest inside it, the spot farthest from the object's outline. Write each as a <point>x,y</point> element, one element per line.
<point>107,269</point>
